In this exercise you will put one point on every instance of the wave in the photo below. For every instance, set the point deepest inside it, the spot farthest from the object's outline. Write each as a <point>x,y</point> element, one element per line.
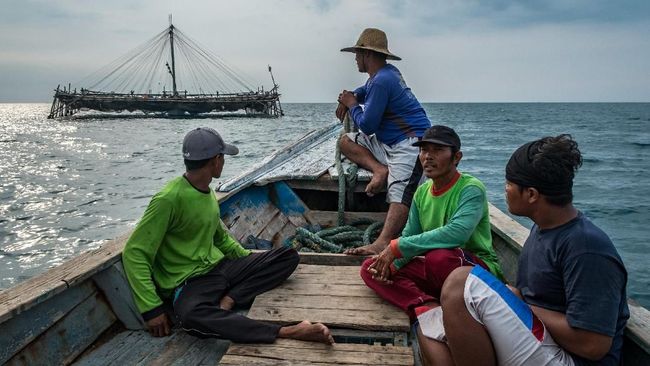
<point>640,144</point>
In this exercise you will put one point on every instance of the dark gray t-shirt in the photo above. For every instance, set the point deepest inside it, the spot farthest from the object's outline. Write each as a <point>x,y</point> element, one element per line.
<point>575,269</point>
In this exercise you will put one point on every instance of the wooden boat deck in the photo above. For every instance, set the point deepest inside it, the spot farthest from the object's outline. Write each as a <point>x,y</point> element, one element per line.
<point>290,352</point>
<point>139,348</point>
<point>335,296</point>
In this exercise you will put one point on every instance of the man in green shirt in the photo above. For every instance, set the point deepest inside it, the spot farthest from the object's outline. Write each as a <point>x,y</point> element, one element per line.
<point>180,251</point>
<point>448,226</point>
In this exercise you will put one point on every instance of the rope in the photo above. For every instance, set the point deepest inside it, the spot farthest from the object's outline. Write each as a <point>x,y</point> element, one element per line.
<point>362,231</point>
<point>336,239</point>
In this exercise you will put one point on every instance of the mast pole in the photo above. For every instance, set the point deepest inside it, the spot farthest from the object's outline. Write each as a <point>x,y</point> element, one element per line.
<point>171,46</point>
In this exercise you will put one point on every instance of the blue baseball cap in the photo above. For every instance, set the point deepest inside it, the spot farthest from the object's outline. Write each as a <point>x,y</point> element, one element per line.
<point>205,143</point>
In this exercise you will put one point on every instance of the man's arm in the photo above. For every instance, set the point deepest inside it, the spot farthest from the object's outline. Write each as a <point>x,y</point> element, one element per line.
<point>413,227</point>
<point>138,259</point>
<point>452,235</point>
<point>593,290</point>
<point>227,244</point>
<point>375,100</point>
<point>590,345</point>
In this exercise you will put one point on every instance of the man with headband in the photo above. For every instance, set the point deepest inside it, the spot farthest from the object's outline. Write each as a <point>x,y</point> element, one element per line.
<point>569,306</point>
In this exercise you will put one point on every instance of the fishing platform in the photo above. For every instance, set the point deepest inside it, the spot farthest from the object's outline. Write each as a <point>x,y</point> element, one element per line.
<point>194,82</point>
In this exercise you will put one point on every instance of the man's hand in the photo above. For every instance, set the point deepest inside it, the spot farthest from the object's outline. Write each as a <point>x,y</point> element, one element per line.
<point>341,110</point>
<point>380,268</point>
<point>159,326</point>
<point>348,99</point>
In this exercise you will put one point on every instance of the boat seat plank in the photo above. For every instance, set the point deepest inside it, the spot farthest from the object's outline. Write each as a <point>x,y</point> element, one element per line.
<point>292,352</point>
<point>335,296</point>
<point>249,220</point>
<point>36,290</point>
<point>66,340</point>
<point>139,347</point>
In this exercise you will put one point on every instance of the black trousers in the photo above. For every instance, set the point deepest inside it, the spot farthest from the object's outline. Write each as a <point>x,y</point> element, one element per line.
<point>196,305</point>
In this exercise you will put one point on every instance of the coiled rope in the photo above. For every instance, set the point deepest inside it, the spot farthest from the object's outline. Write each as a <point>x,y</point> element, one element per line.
<point>361,232</point>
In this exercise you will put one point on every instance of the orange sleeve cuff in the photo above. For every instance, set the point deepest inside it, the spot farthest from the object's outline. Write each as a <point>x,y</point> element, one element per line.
<point>394,248</point>
<point>393,269</point>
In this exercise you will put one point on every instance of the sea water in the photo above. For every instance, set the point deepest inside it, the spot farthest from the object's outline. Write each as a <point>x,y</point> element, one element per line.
<point>68,186</point>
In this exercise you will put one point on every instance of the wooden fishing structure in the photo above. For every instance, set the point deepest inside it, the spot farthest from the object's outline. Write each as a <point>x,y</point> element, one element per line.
<point>202,83</point>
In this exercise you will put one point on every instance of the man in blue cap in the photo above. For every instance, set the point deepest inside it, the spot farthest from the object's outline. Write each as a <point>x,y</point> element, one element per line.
<point>181,251</point>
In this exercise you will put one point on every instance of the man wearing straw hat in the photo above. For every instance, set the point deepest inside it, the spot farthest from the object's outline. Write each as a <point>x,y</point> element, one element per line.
<point>390,122</point>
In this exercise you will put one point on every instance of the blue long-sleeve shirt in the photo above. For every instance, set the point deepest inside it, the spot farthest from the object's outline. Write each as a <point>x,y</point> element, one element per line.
<point>390,111</point>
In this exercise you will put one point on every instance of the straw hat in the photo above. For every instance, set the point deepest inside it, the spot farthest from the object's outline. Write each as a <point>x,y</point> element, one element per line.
<point>375,40</point>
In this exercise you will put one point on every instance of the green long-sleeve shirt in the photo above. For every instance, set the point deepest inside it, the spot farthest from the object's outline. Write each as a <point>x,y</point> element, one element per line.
<point>456,217</point>
<point>179,236</point>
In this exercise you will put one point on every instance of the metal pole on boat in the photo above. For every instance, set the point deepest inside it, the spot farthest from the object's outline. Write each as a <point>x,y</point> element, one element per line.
<point>275,89</point>
<point>171,46</point>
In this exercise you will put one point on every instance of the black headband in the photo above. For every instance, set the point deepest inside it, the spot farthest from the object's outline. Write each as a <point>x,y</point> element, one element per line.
<point>520,170</point>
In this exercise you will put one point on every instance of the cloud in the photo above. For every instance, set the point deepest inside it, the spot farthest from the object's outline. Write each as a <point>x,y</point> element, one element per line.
<point>492,50</point>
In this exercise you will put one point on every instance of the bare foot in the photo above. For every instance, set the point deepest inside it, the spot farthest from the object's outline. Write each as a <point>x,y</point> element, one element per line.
<point>378,181</point>
<point>226,303</point>
<point>306,331</point>
<point>371,249</point>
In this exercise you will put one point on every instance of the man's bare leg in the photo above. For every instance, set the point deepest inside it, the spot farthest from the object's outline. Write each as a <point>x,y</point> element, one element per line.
<point>469,342</point>
<point>226,303</point>
<point>364,158</point>
<point>433,353</point>
<point>395,221</point>
<point>306,331</point>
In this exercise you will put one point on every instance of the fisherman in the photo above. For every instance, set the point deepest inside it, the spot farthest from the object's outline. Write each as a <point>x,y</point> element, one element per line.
<point>448,227</point>
<point>181,251</point>
<point>569,305</point>
<point>390,122</point>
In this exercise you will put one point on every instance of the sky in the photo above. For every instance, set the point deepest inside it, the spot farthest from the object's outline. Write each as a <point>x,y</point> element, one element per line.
<point>452,50</point>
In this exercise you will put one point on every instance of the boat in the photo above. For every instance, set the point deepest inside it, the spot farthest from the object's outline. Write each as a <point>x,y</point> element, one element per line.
<point>82,312</point>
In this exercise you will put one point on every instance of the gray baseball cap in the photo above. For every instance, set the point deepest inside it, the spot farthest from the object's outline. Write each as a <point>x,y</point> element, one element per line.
<point>205,143</point>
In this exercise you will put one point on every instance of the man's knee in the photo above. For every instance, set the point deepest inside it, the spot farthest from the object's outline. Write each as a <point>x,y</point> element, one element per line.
<point>454,287</point>
<point>290,257</point>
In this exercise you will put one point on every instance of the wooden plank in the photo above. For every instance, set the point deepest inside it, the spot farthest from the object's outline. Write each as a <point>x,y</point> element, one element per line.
<point>251,220</point>
<point>287,231</point>
<point>37,289</point>
<point>107,353</point>
<point>335,296</point>
<point>22,329</point>
<point>329,218</point>
<point>263,361</point>
<point>283,156</point>
<point>327,269</point>
<point>113,283</point>
<point>295,288</point>
<point>293,352</point>
<point>331,259</point>
<point>70,336</point>
<point>272,230</point>
<point>324,183</point>
<point>324,302</point>
<point>508,229</point>
<point>638,326</point>
<point>388,320</point>
<point>208,351</point>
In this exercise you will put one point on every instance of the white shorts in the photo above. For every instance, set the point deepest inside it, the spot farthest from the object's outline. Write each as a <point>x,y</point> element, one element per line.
<point>518,336</point>
<point>404,168</point>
